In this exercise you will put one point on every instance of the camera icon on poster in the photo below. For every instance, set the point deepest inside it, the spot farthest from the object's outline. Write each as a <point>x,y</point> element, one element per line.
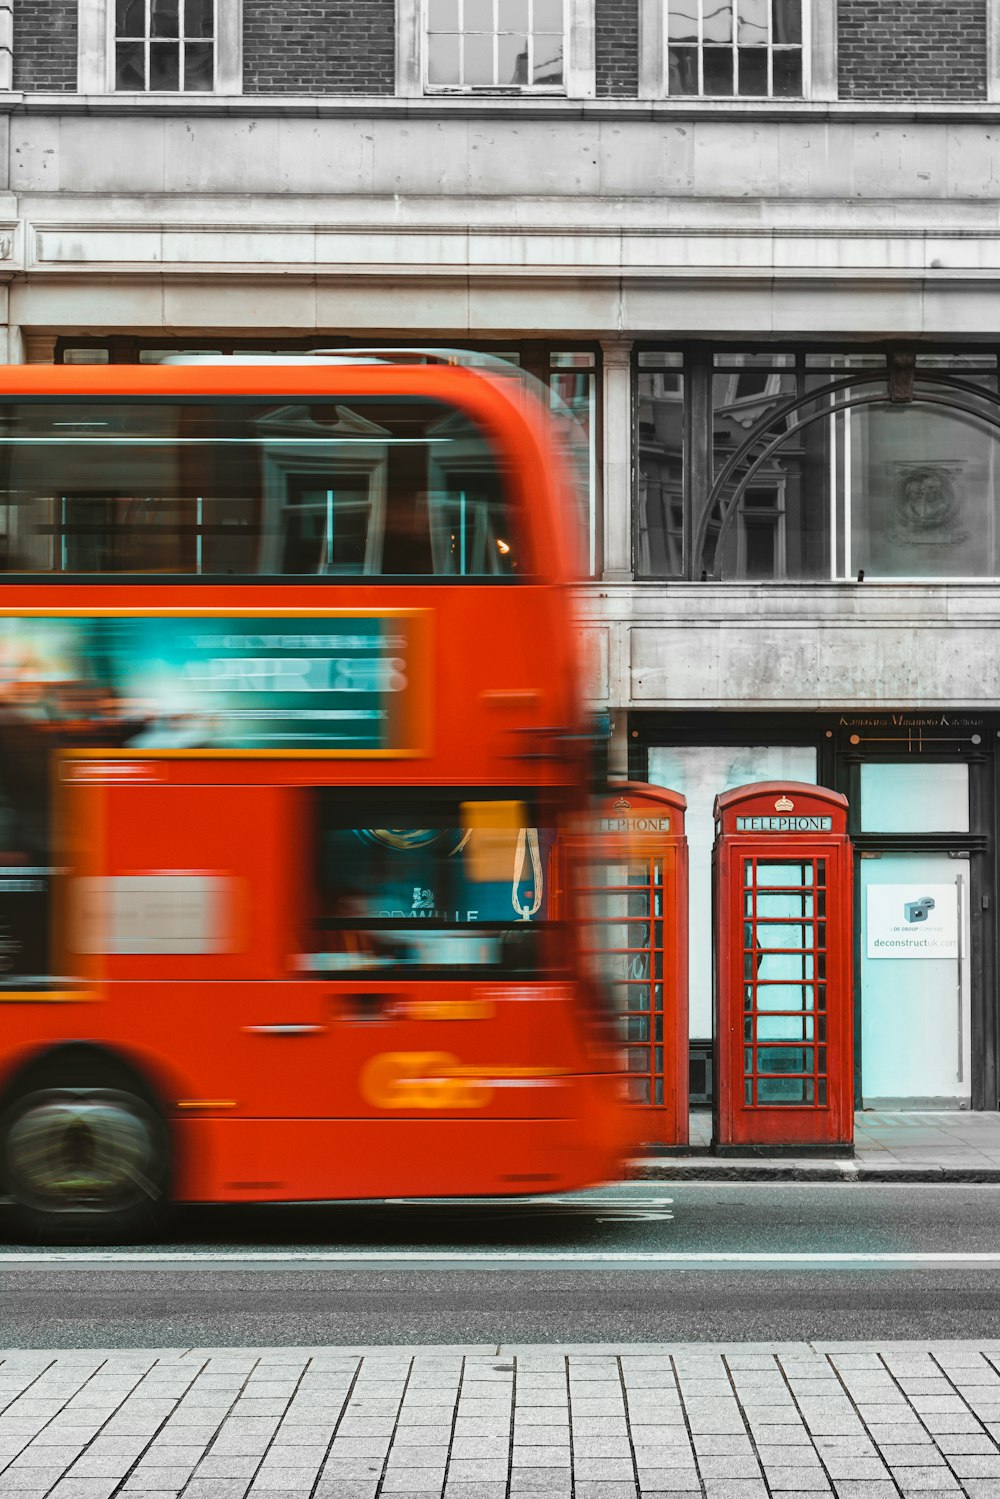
<point>919,910</point>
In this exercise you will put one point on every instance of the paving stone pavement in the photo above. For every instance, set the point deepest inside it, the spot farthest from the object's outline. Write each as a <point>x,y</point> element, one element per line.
<point>741,1421</point>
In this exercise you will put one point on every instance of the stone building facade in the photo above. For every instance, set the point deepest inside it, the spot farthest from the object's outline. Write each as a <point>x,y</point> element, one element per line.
<point>754,245</point>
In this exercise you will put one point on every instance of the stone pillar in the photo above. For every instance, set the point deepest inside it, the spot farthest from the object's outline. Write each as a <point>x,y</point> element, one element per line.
<point>617,473</point>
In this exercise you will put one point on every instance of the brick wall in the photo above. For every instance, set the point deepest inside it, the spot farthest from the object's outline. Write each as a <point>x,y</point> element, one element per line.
<point>319,46</point>
<point>912,49</point>
<point>45,45</point>
<point>617,47</point>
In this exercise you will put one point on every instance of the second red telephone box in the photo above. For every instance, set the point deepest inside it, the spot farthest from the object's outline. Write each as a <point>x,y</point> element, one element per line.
<point>635,862</point>
<point>784,1010</point>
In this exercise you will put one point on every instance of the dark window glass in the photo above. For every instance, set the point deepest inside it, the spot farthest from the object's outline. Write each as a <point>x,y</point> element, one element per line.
<point>357,488</point>
<point>753,71</point>
<point>130,66</point>
<point>787,21</point>
<point>164,18</point>
<point>164,65</point>
<point>199,65</point>
<point>718,65</point>
<point>130,17</point>
<point>787,75</point>
<point>683,66</point>
<point>199,18</point>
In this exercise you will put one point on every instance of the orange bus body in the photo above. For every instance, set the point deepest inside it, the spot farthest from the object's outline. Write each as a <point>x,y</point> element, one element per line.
<point>277,1080</point>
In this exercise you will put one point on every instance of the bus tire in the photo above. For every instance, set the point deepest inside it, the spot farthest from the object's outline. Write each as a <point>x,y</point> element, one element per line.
<point>85,1153</point>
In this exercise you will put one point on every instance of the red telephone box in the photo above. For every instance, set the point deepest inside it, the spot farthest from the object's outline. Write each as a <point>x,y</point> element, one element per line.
<point>784,1013</point>
<point>635,873</point>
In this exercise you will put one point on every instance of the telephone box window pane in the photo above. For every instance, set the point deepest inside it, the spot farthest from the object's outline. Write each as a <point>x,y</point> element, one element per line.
<point>919,797</point>
<point>784,997</point>
<point>775,874</point>
<point>783,905</point>
<point>637,1089</point>
<point>786,1090</point>
<point>548,16</point>
<point>442,15</point>
<point>784,1028</point>
<point>785,1059</point>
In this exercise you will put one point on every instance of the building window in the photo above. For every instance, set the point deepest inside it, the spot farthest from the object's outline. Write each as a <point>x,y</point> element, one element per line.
<point>495,46</point>
<point>165,46</point>
<point>160,47</point>
<point>495,43</point>
<point>818,466</point>
<point>745,49</point>
<point>738,49</point>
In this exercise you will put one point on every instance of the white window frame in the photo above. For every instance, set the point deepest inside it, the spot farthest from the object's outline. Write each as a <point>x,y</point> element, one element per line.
<point>96,53</point>
<point>819,58</point>
<point>579,73</point>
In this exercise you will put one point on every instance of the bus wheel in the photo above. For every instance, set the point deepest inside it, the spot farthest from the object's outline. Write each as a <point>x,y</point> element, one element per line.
<point>87,1163</point>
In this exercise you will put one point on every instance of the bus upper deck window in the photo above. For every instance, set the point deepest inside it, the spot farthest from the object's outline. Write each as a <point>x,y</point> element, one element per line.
<point>346,488</point>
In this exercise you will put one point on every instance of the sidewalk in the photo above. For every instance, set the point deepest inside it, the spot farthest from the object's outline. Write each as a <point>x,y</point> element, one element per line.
<point>916,1147</point>
<point>858,1421</point>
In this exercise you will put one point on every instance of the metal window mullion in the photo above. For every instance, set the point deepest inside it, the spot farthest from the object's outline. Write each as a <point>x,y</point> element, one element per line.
<point>146,41</point>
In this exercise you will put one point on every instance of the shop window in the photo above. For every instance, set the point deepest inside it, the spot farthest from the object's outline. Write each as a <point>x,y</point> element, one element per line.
<point>495,46</point>
<point>738,49</point>
<point>818,467</point>
<point>160,46</point>
<point>660,451</point>
<point>923,797</point>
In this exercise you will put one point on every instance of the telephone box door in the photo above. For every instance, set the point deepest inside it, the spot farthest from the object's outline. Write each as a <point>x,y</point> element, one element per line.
<point>784,984</point>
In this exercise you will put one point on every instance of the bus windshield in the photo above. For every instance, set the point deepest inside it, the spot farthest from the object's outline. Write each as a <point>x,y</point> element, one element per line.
<point>239,487</point>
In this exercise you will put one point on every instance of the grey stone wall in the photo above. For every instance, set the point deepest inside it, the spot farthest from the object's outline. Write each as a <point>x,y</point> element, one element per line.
<point>45,45</point>
<point>319,47</point>
<point>912,49</point>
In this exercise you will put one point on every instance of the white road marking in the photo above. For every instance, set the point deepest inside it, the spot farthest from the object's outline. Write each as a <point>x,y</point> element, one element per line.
<point>25,1259</point>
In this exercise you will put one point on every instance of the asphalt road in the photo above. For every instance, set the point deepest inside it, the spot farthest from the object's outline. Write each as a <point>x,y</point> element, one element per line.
<point>695,1261</point>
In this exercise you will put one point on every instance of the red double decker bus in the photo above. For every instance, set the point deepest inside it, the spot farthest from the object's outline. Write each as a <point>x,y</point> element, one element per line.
<point>290,716</point>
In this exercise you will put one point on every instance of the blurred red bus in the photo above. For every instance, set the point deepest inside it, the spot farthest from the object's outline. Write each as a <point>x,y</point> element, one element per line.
<point>290,716</point>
